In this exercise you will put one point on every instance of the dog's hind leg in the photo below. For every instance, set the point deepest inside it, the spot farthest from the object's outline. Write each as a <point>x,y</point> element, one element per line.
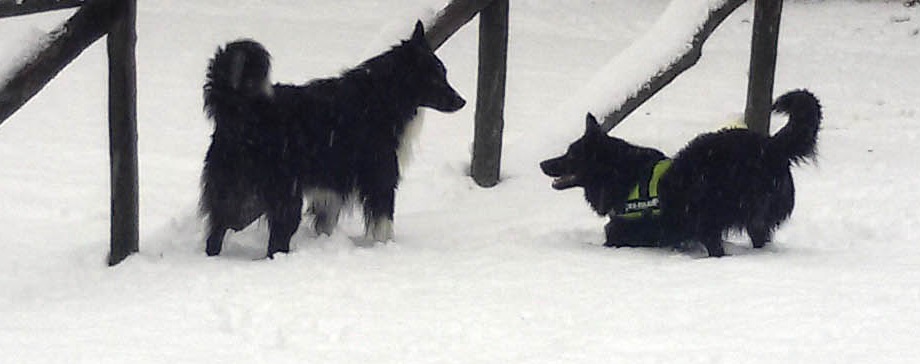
<point>215,239</point>
<point>325,206</point>
<point>377,191</point>
<point>771,212</point>
<point>712,240</point>
<point>760,235</point>
<point>378,215</point>
<point>283,220</point>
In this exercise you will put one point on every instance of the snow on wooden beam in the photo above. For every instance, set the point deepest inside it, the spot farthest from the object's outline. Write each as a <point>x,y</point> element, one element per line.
<point>64,44</point>
<point>10,8</point>
<point>453,17</point>
<point>673,45</point>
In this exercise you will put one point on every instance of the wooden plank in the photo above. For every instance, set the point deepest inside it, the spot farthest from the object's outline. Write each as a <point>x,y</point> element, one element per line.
<point>658,81</point>
<point>87,25</point>
<point>10,8</point>
<point>764,44</point>
<point>123,135</point>
<point>490,96</point>
<point>451,19</point>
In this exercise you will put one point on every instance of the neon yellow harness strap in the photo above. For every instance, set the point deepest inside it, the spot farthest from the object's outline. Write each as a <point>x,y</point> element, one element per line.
<point>638,205</point>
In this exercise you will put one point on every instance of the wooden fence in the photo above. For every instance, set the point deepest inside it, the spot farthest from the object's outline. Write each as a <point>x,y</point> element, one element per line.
<point>116,19</point>
<point>95,18</point>
<point>760,76</point>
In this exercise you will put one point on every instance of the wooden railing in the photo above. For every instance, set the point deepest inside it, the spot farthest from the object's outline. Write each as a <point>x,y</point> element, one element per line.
<point>116,18</point>
<point>760,77</point>
<point>95,18</point>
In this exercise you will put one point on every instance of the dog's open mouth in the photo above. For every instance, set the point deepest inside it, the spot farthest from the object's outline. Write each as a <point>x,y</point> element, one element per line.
<point>565,181</point>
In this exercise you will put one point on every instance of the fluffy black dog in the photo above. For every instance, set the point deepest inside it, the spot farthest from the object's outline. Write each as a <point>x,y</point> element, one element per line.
<point>730,179</point>
<point>331,140</point>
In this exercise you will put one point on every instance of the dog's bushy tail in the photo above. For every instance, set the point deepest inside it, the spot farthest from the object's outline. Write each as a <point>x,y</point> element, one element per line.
<point>237,75</point>
<point>797,140</point>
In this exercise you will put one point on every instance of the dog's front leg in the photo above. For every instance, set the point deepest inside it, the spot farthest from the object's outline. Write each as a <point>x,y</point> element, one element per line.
<point>215,239</point>
<point>612,231</point>
<point>378,215</point>
<point>283,221</point>
<point>279,237</point>
<point>713,243</point>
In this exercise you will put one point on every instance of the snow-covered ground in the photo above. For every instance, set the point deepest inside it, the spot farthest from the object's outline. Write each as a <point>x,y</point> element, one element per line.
<point>512,274</point>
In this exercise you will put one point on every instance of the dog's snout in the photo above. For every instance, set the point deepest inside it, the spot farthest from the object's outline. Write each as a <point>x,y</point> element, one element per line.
<point>459,102</point>
<point>550,167</point>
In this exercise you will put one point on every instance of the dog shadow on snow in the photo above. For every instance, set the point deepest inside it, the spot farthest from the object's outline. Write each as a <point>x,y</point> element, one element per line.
<point>184,235</point>
<point>592,240</point>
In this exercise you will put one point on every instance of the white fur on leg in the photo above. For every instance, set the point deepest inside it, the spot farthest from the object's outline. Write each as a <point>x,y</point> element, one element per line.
<point>409,139</point>
<point>378,230</point>
<point>328,203</point>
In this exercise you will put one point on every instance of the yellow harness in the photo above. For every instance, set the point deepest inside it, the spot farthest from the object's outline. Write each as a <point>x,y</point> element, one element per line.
<point>643,199</point>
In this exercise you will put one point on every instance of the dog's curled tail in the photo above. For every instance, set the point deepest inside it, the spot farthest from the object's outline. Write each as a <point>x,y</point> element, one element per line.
<point>797,140</point>
<point>239,72</point>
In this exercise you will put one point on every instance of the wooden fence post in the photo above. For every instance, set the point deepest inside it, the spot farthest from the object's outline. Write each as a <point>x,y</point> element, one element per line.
<point>764,42</point>
<point>123,134</point>
<point>490,95</point>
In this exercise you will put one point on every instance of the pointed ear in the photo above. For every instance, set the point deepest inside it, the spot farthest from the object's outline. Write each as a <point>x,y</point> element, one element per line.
<point>591,125</point>
<point>418,35</point>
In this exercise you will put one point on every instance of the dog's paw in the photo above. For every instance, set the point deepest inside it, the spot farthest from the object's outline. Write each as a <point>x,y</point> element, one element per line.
<point>612,244</point>
<point>379,230</point>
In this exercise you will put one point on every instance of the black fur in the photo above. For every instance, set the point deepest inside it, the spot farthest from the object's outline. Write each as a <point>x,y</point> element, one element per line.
<point>331,140</point>
<point>730,179</point>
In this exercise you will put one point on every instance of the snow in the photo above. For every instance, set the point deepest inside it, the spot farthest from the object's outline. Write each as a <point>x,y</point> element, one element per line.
<point>36,40</point>
<point>512,274</point>
<point>668,39</point>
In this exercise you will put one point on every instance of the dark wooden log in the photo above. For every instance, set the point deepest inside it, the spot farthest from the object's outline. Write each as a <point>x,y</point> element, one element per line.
<point>451,19</point>
<point>684,62</point>
<point>90,23</point>
<point>123,135</point>
<point>764,44</point>
<point>490,96</point>
<point>10,8</point>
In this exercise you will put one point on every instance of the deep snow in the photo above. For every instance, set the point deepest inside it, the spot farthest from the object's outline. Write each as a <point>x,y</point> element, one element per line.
<point>513,274</point>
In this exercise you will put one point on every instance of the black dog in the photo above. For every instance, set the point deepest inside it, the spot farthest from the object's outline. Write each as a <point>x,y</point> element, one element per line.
<point>331,140</point>
<point>730,179</point>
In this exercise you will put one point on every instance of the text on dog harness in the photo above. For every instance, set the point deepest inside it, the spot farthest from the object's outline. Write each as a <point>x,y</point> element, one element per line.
<point>643,199</point>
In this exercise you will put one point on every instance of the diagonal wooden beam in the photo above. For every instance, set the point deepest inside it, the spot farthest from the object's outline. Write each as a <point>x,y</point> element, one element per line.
<point>10,8</point>
<point>688,59</point>
<point>91,22</point>
<point>453,17</point>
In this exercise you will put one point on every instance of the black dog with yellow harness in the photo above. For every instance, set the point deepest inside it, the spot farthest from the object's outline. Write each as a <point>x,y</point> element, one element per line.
<point>732,179</point>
